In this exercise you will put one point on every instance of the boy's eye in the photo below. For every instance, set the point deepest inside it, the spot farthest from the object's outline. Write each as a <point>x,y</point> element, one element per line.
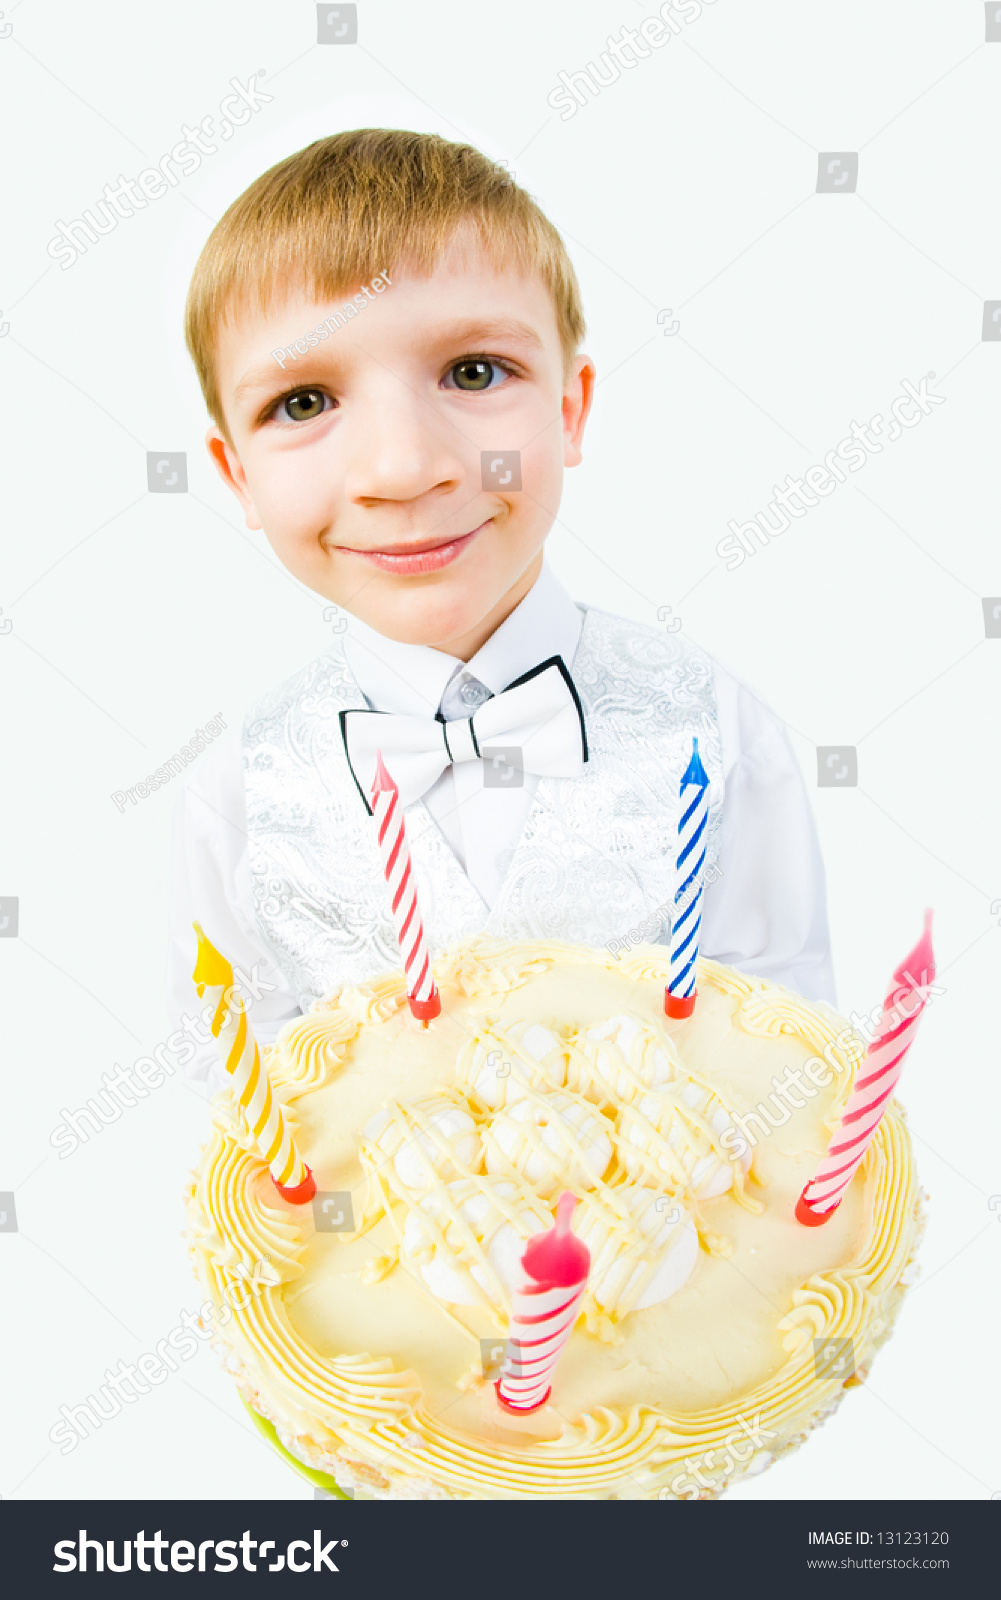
<point>472,376</point>
<point>303,405</point>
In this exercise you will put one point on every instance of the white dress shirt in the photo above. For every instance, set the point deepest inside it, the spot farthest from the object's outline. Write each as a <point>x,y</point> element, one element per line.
<point>766,913</point>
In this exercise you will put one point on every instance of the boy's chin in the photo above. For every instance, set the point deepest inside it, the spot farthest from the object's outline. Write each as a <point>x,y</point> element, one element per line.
<point>435,625</point>
<point>454,613</point>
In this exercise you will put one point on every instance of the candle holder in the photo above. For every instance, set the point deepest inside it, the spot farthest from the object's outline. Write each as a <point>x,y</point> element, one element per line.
<point>299,1194</point>
<point>679,1006</point>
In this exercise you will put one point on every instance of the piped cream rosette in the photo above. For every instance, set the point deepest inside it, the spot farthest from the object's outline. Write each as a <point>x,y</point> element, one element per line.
<point>464,1230</point>
<point>422,1141</point>
<point>674,1139</point>
<point>620,1059</point>
<point>497,1066</point>
<point>555,1141</point>
<point>467,1239</point>
<point>608,1111</point>
<point>640,1256</point>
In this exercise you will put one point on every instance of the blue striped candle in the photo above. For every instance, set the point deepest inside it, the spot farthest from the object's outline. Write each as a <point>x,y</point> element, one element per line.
<point>681,993</point>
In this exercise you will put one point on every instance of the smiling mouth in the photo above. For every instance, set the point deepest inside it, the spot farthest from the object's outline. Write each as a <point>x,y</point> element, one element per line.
<point>423,555</point>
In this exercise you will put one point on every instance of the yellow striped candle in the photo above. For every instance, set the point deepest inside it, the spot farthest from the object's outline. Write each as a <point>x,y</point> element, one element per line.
<point>213,976</point>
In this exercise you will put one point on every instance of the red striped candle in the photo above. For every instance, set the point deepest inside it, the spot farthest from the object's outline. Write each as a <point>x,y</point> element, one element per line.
<point>422,991</point>
<point>873,1087</point>
<point>555,1266</point>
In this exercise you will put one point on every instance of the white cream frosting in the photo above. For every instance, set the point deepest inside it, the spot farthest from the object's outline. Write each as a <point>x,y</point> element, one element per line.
<point>446,1236</point>
<point>630,1273</point>
<point>498,1066</point>
<point>678,1136</point>
<point>640,1060</point>
<point>425,1138</point>
<point>554,1140</point>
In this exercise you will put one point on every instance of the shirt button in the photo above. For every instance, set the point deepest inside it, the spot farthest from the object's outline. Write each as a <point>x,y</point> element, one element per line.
<point>503,860</point>
<point>473,693</point>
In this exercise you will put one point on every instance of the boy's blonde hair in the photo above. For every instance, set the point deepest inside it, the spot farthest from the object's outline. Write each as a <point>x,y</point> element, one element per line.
<point>349,207</point>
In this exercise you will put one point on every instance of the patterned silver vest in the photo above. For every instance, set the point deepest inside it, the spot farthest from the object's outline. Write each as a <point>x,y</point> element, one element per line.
<point>595,860</point>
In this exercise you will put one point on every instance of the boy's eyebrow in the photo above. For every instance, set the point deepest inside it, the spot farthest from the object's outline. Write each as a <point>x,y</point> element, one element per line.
<point>474,333</point>
<point>483,330</point>
<point>266,376</point>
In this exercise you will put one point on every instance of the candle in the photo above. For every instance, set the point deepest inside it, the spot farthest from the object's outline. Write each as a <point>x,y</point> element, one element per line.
<point>251,1086</point>
<point>873,1087</point>
<point>555,1266</point>
<point>681,994</point>
<point>422,991</point>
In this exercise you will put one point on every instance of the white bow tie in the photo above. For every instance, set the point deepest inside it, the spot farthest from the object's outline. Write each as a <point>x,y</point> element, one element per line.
<point>534,725</point>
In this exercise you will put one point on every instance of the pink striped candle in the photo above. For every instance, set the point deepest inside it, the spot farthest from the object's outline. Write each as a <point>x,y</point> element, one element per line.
<point>422,991</point>
<point>873,1087</point>
<point>556,1265</point>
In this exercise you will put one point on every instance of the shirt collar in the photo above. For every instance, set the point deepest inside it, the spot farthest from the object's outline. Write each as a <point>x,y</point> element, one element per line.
<point>411,678</point>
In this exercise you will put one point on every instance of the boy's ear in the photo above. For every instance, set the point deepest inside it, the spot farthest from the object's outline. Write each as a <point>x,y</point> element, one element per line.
<point>577,397</point>
<point>230,470</point>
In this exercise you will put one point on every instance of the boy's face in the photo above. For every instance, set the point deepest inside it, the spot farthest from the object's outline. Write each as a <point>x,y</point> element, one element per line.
<point>361,460</point>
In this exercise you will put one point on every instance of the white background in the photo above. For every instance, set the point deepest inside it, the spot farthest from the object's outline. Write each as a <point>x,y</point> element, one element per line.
<point>135,618</point>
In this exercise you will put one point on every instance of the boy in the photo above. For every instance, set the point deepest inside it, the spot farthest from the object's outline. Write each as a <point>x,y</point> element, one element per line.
<point>387,331</point>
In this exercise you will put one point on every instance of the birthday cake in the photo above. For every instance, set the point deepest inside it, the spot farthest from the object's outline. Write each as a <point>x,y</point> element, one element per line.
<point>714,1330</point>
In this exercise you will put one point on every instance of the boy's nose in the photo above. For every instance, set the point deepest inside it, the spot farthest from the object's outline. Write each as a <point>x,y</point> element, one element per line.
<point>400,450</point>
